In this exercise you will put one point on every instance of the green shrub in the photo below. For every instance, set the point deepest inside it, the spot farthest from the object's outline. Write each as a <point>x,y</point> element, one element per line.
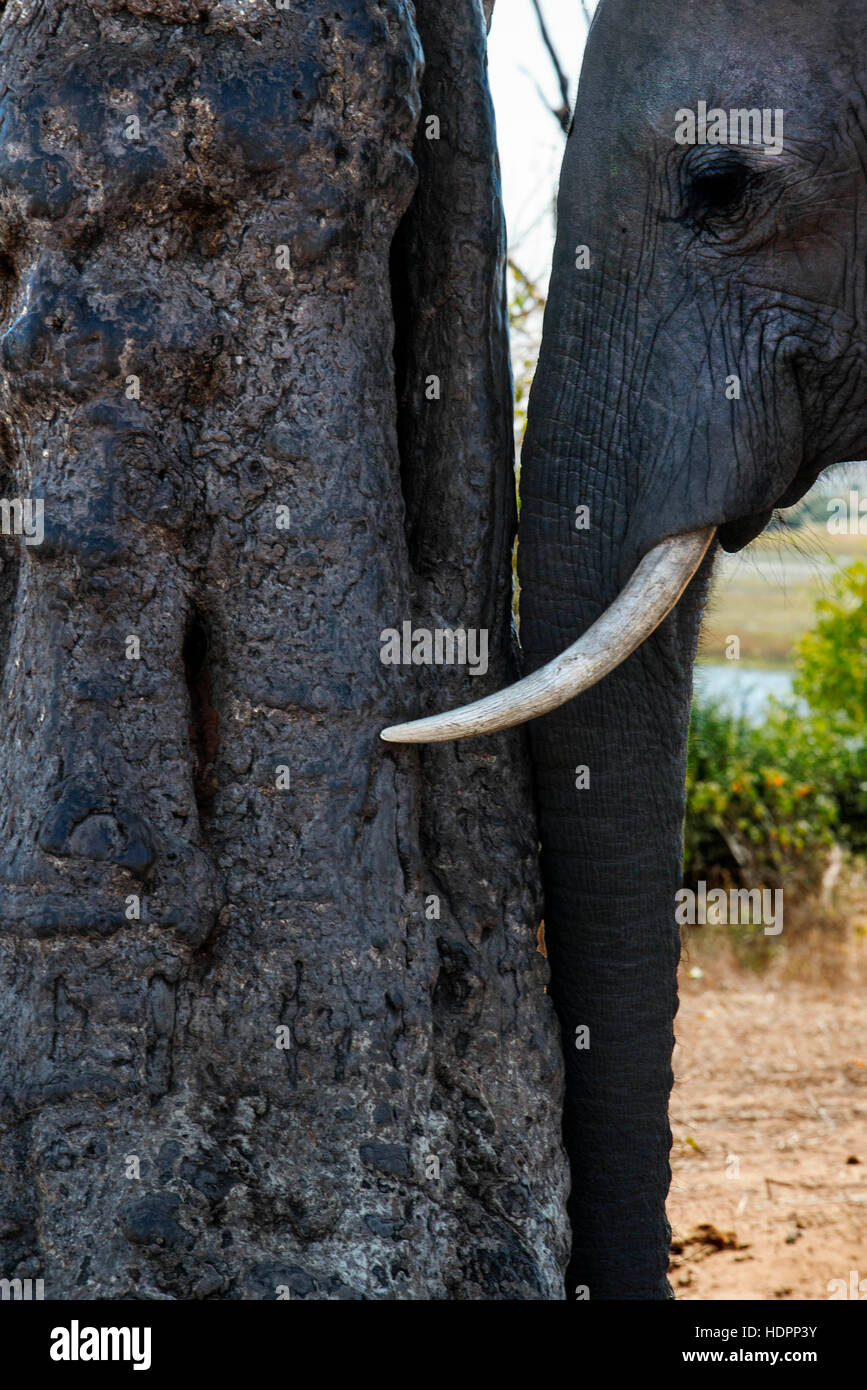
<point>764,803</point>
<point>757,813</point>
<point>831,676</point>
<point>831,665</point>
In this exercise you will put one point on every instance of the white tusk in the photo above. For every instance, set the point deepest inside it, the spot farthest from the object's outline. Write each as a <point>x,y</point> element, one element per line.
<point>651,593</point>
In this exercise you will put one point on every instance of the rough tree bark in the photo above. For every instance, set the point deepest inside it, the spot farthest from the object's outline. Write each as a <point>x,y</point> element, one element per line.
<point>231,258</point>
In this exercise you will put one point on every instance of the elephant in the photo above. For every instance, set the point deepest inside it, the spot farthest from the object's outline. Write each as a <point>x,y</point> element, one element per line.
<point>704,358</point>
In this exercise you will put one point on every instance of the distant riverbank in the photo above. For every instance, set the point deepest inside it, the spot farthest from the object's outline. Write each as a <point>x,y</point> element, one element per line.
<point>742,690</point>
<point>765,595</point>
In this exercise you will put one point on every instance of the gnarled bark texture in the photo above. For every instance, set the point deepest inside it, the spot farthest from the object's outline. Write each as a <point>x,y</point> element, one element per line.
<point>231,257</point>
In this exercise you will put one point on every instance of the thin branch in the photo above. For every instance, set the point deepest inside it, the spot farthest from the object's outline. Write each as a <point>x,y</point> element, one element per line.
<point>563,112</point>
<point>541,95</point>
<point>586,13</point>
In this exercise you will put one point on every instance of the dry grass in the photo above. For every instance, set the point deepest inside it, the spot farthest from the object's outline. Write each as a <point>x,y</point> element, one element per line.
<point>823,941</point>
<point>766,594</point>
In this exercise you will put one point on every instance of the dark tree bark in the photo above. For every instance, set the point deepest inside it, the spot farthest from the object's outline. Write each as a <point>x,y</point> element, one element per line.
<point>246,1023</point>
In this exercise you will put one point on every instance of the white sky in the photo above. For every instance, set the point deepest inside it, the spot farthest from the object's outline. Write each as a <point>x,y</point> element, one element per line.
<point>531,142</point>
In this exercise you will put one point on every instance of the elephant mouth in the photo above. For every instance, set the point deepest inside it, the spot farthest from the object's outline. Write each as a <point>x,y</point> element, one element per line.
<point>734,535</point>
<point>645,601</point>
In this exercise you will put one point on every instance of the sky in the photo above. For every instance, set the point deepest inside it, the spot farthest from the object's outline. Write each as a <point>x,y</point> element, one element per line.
<point>531,142</point>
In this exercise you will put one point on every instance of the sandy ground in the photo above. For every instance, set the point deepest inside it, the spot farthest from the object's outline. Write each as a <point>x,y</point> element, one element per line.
<point>769,1117</point>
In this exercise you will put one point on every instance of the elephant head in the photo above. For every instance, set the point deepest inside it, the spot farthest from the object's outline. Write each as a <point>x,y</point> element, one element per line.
<point>704,358</point>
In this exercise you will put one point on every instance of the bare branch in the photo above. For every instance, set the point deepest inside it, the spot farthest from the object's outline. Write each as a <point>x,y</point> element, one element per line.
<point>562,113</point>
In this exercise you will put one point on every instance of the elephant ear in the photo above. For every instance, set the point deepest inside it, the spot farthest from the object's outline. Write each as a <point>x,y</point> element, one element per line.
<point>651,593</point>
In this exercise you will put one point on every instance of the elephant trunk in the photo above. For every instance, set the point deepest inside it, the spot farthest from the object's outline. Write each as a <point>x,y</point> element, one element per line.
<point>609,780</point>
<point>609,771</point>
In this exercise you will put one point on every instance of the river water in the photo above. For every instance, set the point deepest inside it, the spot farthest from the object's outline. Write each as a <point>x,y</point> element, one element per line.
<point>742,689</point>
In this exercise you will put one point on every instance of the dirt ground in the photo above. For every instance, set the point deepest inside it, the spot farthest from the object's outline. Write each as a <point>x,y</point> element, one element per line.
<point>769,1117</point>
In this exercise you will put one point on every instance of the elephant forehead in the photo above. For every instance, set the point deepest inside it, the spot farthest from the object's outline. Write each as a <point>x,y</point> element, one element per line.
<point>651,59</point>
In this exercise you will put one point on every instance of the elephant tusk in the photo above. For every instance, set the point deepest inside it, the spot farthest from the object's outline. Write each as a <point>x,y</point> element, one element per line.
<point>651,593</point>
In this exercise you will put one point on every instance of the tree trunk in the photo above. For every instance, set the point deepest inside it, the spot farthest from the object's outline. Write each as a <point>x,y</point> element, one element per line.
<point>276,1024</point>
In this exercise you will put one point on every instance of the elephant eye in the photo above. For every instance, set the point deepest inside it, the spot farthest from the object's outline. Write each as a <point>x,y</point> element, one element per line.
<point>717,193</point>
